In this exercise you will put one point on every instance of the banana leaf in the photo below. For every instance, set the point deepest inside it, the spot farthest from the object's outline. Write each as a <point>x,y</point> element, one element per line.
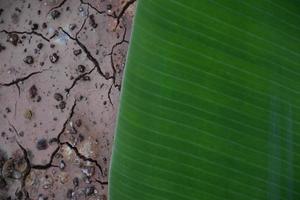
<point>210,102</point>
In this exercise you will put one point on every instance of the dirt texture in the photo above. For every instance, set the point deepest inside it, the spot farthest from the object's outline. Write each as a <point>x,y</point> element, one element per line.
<point>61,67</point>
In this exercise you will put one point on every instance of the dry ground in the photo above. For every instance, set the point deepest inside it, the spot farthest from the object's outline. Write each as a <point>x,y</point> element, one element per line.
<point>61,66</point>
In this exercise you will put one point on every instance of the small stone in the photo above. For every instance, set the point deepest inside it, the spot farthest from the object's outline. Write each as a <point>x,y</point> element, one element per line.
<point>2,48</point>
<point>52,46</point>
<point>28,114</point>
<point>76,182</point>
<point>40,45</point>
<point>39,98</point>
<point>58,97</point>
<point>78,122</point>
<point>62,105</point>
<point>7,109</point>
<point>55,14</point>
<point>2,183</point>
<point>42,144</point>
<point>106,75</point>
<point>44,25</point>
<point>34,26</point>
<point>70,193</point>
<point>90,190</point>
<point>109,7</point>
<point>13,39</point>
<point>81,68</point>
<point>21,133</point>
<point>86,78</point>
<point>88,171</point>
<point>92,21</point>
<point>72,26</point>
<point>33,91</point>
<point>28,60</point>
<point>80,137</point>
<point>53,58</point>
<point>62,165</point>
<point>77,52</point>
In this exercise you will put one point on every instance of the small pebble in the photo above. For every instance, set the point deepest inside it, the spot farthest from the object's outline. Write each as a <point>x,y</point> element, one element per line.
<point>62,165</point>
<point>70,193</point>
<point>28,114</point>
<point>7,109</point>
<point>42,144</point>
<point>62,105</point>
<point>77,52</point>
<point>81,68</point>
<point>89,190</point>
<point>44,25</point>
<point>33,91</point>
<point>92,21</point>
<point>40,45</point>
<point>28,60</point>
<point>55,14</point>
<point>53,58</point>
<point>86,78</point>
<point>34,26</point>
<point>72,26</point>
<point>58,96</point>
<point>13,38</point>
<point>76,182</point>
<point>78,122</point>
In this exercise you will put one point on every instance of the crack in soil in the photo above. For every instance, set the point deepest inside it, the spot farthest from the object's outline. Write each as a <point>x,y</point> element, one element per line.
<point>82,157</point>
<point>14,128</point>
<point>108,95</point>
<point>94,8</point>
<point>102,182</point>
<point>68,90</point>
<point>49,164</point>
<point>27,33</point>
<point>120,15</point>
<point>74,148</point>
<point>21,79</point>
<point>28,168</point>
<point>88,54</point>
<point>27,171</point>
<point>83,24</point>
<point>58,6</point>
<point>111,56</point>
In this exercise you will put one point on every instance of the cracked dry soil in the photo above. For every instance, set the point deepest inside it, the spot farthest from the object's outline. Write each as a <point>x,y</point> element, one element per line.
<point>61,66</point>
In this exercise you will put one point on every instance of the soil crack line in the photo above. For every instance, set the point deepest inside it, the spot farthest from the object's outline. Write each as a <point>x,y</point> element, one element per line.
<point>94,8</point>
<point>120,15</point>
<point>21,79</point>
<point>58,6</point>
<point>88,54</point>
<point>82,157</point>
<point>27,33</point>
<point>27,170</point>
<point>68,90</point>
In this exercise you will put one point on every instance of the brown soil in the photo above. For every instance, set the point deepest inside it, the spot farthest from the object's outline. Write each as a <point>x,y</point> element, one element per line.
<point>61,68</point>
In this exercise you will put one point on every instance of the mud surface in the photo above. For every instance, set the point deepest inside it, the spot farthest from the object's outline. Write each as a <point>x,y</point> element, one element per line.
<point>61,66</point>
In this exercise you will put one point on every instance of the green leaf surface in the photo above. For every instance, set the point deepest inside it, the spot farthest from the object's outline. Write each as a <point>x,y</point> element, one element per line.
<point>210,106</point>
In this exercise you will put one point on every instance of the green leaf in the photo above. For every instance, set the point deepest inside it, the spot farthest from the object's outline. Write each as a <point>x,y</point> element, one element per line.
<point>210,105</point>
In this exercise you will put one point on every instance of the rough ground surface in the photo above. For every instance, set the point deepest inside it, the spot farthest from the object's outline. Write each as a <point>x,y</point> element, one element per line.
<point>61,65</point>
